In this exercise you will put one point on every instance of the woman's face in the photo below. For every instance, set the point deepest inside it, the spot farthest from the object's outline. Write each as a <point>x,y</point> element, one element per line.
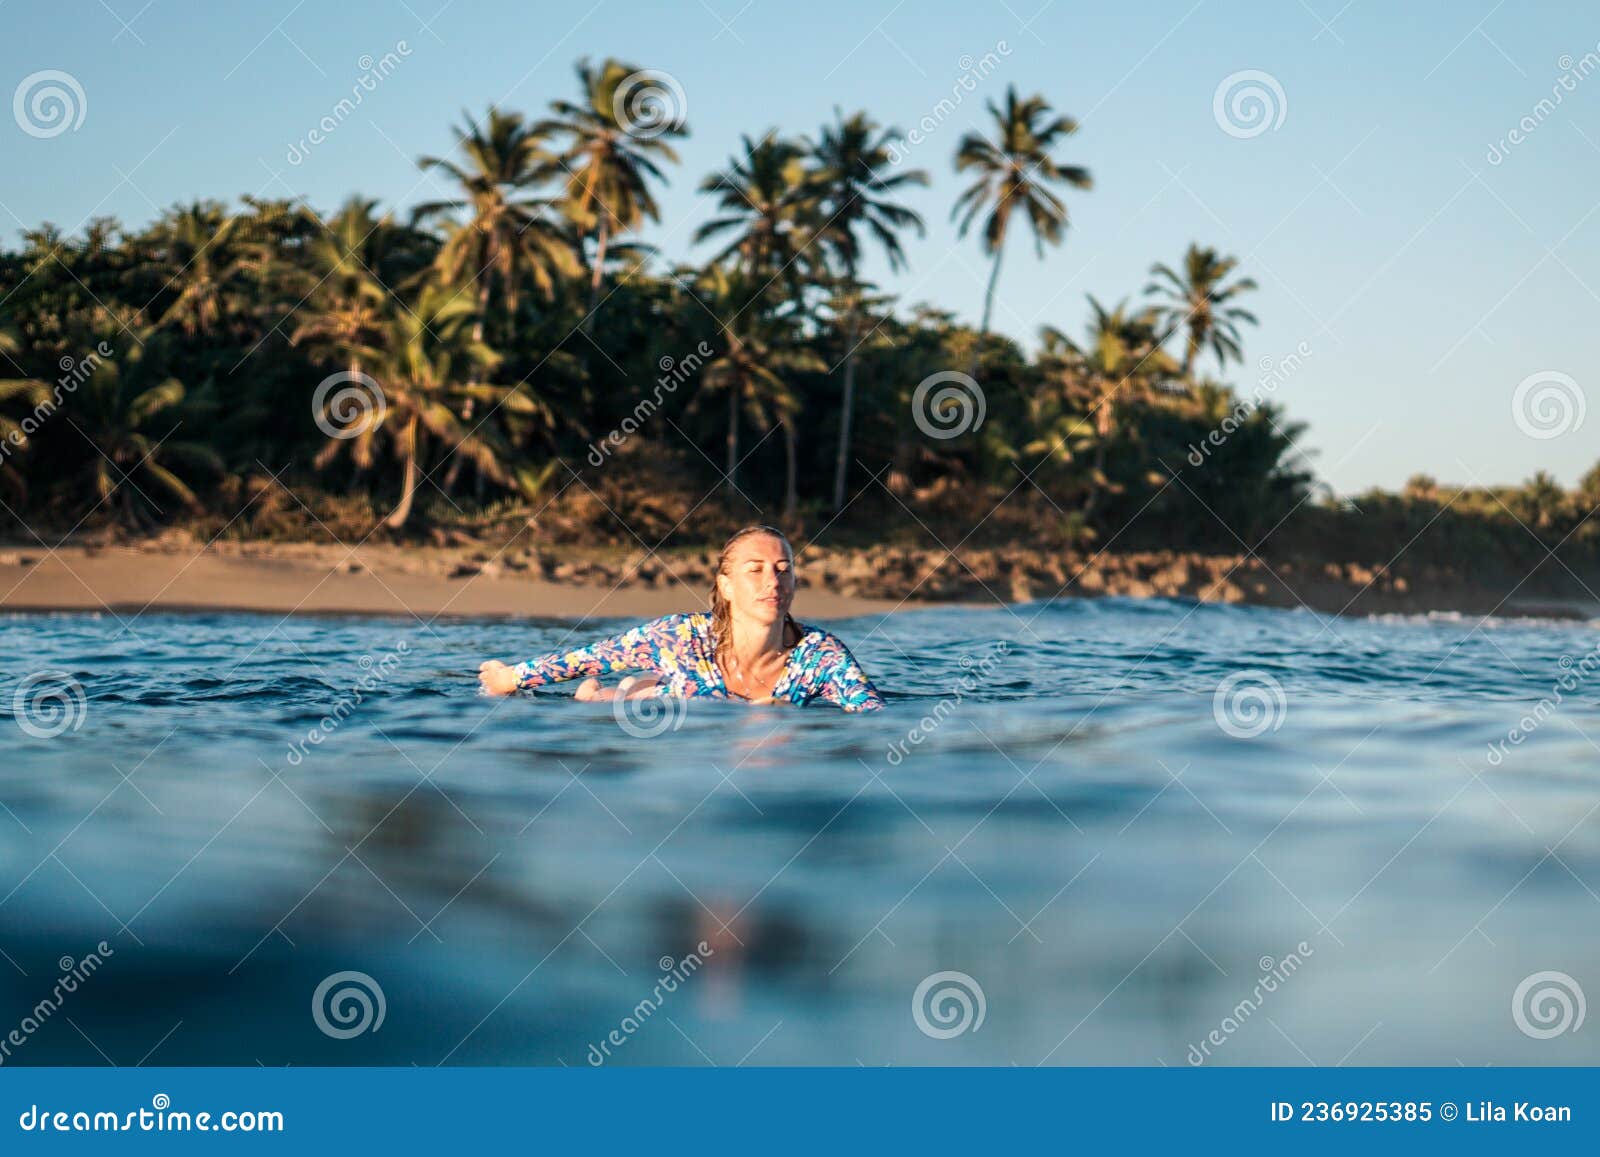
<point>759,579</point>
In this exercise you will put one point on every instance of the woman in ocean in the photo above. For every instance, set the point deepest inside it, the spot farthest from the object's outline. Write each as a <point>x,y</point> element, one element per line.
<point>747,647</point>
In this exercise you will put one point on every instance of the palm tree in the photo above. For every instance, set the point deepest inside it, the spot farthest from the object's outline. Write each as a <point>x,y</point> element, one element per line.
<point>345,293</point>
<point>1122,355</point>
<point>609,159</point>
<point>508,237</point>
<point>767,207</point>
<point>1012,169</point>
<point>768,215</point>
<point>1587,494</point>
<point>1421,488</point>
<point>851,160</point>
<point>347,309</point>
<point>1259,475</point>
<point>1197,302</point>
<point>10,345</point>
<point>203,251</point>
<point>1541,502</point>
<point>427,363</point>
<point>759,349</point>
<point>29,394</point>
<point>119,410</point>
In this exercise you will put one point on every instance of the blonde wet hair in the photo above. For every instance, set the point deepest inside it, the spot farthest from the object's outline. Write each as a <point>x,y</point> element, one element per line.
<point>721,609</point>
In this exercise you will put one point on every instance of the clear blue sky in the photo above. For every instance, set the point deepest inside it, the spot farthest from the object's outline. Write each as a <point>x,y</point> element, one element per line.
<point>1427,281</point>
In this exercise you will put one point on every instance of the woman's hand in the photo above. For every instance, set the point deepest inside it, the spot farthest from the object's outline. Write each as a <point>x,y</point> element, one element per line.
<point>631,687</point>
<point>496,678</point>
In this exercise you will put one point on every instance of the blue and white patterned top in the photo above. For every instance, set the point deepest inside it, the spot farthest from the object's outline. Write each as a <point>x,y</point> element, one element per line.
<point>681,650</point>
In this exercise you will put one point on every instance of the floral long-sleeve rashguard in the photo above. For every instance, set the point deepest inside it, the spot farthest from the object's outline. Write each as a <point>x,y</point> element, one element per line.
<point>680,649</point>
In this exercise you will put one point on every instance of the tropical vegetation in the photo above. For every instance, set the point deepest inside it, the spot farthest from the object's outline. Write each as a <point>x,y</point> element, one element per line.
<point>504,329</point>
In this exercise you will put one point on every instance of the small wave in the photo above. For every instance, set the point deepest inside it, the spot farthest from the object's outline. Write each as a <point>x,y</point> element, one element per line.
<point>1484,622</point>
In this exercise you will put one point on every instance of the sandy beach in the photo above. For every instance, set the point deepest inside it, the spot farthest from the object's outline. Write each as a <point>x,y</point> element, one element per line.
<point>375,580</point>
<point>176,573</point>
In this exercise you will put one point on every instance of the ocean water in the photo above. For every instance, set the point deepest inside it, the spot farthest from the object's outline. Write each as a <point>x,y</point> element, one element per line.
<point>1087,832</point>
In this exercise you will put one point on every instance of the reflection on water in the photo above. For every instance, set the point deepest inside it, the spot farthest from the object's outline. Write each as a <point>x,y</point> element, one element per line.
<point>1111,855</point>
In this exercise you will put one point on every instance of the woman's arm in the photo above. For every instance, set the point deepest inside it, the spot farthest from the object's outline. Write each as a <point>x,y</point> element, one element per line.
<point>845,684</point>
<point>636,649</point>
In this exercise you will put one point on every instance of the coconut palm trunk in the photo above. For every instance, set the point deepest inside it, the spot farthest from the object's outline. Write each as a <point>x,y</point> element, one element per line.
<point>846,407</point>
<point>733,437</point>
<point>452,474</point>
<point>854,165</point>
<point>408,486</point>
<point>988,309</point>
<point>791,475</point>
<point>597,275</point>
<point>1104,424</point>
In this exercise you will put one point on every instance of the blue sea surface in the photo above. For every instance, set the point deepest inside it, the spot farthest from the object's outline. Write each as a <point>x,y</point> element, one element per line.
<point>1082,832</point>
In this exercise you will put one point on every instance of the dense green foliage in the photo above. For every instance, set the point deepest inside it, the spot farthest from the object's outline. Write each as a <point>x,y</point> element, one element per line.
<point>526,346</point>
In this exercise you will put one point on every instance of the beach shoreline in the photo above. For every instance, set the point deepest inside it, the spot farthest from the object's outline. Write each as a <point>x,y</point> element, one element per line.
<point>175,574</point>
